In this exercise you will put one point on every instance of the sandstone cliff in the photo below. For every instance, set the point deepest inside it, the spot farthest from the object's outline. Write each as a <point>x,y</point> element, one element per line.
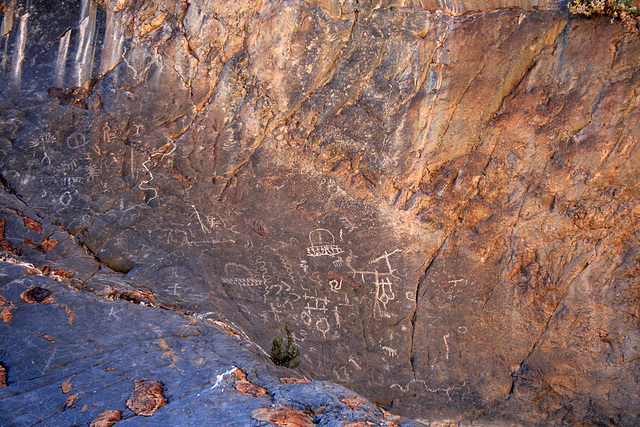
<point>439,198</point>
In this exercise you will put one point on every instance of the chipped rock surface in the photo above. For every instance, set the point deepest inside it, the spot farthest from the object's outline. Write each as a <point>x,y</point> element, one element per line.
<point>88,373</point>
<point>440,200</point>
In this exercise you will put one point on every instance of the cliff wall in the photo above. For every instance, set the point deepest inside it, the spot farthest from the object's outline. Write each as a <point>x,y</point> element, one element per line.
<point>440,200</point>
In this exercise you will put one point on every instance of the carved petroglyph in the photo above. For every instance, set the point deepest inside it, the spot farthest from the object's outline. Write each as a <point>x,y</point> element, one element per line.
<point>315,303</point>
<point>323,243</point>
<point>44,141</point>
<point>406,388</point>
<point>113,314</point>
<point>381,280</point>
<point>107,135</point>
<point>348,224</point>
<point>447,390</point>
<point>175,287</point>
<point>322,325</point>
<point>144,184</point>
<point>356,364</point>
<point>67,168</point>
<point>446,344</point>
<point>336,316</point>
<point>384,294</point>
<point>76,140</point>
<point>202,226</point>
<point>386,258</point>
<point>391,352</point>
<point>66,198</point>
<point>305,317</point>
<point>242,281</point>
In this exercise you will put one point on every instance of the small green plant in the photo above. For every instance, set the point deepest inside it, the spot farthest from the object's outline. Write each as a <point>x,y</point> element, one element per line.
<point>285,358</point>
<point>622,9</point>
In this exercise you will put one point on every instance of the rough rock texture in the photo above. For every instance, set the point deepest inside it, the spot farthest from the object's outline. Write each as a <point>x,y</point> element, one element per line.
<point>442,207</point>
<point>90,371</point>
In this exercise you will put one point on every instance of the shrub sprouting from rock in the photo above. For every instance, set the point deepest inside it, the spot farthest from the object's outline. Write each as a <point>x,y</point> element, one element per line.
<point>285,357</point>
<point>623,9</point>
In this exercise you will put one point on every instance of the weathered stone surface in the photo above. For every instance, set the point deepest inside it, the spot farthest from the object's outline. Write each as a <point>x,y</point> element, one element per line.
<point>106,418</point>
<point>84,374</point>
<point>146,397</point>
<point>442,208</point>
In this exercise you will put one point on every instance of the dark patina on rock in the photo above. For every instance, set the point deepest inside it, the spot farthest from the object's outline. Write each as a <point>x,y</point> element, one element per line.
<point>440,200</point>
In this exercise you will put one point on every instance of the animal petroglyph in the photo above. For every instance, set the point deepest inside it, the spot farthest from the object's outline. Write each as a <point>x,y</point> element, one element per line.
<point>392,352</point>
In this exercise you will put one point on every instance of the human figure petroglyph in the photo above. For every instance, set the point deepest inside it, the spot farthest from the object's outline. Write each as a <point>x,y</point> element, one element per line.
<point>336,316</point>
<point>114,313</point>
<point>381,279</point>
<point>384,294</point>
<point>107,135</point>
<point>304,266</point>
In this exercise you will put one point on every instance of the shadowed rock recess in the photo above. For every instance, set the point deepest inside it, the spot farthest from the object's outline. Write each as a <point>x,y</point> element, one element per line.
<point>439,198</point>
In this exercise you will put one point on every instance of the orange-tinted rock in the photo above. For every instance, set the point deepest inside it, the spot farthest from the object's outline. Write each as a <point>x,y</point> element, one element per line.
<point>283,416</point>
<point>36,295</point>
<point>352,402</point>
<point>46,245</point>
<point>249,389</point>
<point>294,380</point>
<point>146,398</point>
<point>66,386</point>
<point>245,387</point>
<point>71,400</point>
<point>7,306</point>
<point>32,224</point>
<point>106,418</point>
<point>3,376</point>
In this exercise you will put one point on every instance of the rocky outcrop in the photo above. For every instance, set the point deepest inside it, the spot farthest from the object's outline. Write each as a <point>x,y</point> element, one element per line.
<point>79,359</point>
<point>441,206</point>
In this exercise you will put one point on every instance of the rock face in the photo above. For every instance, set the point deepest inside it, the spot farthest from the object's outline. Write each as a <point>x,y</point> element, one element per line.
<point>84,360</point>
<point>441,206</point>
